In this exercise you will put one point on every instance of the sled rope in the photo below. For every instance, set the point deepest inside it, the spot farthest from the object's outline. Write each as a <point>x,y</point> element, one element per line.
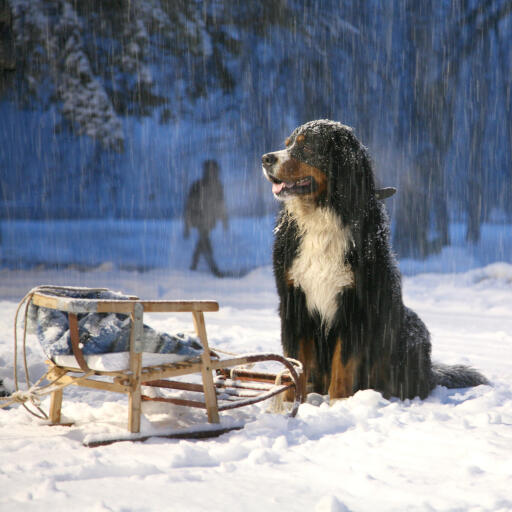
<point>30,394</point>
<point>34,392</point>
<point>21,396</point>
<point>277,404</point>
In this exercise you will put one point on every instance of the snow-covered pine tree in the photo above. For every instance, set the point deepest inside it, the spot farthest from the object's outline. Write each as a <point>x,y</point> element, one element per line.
<point>49,40</point>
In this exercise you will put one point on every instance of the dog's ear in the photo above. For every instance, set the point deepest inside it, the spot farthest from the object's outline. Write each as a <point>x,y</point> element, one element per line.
<point>384,193</point>
<point>351,181</point>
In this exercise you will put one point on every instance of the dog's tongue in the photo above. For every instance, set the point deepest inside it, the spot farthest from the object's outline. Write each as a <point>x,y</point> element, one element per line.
<point>277,187</point>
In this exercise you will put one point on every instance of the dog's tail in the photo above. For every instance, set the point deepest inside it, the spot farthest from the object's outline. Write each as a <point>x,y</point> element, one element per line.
<point>457,376</point>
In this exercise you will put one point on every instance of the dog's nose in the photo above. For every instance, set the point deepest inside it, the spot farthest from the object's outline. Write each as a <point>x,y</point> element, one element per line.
<point>269,159</point>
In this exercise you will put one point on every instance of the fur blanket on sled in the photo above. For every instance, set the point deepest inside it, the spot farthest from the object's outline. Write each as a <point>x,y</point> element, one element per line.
<point>101,333</point>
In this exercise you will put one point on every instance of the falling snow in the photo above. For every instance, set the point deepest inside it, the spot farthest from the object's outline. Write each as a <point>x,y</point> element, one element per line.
<point>108,111</point>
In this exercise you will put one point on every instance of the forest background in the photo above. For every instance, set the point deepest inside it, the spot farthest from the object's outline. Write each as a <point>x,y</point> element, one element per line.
<point>109,107</point>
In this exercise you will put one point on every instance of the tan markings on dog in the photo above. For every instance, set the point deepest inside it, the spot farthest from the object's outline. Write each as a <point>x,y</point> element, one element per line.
<point>287,142</point>
<point>300,139</point>
<point>306,356</point>
<point>320,179</point>
<point>343,376</point>
<point>288,279</point>
<point>319,267</point>
<point>292,170</point>
<point>314,380</point>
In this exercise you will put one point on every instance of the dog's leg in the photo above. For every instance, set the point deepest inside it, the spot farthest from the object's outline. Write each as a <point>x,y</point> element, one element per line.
<point>306,355</point>
<point>343,377</point>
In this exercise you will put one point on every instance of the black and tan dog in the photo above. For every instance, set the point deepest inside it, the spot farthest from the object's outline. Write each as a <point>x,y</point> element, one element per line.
<point>340,294</point>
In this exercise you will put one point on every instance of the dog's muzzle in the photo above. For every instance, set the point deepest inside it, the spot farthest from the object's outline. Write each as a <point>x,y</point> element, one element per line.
<point>268,160</point>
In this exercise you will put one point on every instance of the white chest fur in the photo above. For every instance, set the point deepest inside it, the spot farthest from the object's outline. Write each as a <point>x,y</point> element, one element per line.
<point>319,267</point>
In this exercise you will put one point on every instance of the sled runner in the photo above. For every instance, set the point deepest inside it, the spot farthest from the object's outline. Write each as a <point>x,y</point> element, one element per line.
<point>96,338</point>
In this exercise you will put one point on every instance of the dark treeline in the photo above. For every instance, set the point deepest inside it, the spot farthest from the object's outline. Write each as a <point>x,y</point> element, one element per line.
<point>426,85</point>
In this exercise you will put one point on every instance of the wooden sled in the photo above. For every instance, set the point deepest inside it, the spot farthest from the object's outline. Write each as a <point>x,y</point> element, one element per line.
<point>226,382</point>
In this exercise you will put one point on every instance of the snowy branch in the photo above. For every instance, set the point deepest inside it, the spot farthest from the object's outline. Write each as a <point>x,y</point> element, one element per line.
<point>58,47</point>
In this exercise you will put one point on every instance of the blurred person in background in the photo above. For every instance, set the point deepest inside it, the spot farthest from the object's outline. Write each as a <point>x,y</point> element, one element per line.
<point>204,207</point>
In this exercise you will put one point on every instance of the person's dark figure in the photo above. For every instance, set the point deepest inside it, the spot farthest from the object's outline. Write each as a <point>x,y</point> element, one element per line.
<point>204,207</point>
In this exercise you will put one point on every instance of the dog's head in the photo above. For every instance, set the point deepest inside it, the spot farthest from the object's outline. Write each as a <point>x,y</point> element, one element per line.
<point>323,162</point>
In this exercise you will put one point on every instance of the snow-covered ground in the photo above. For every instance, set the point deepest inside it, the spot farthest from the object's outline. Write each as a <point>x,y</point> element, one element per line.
<point>452,451</point>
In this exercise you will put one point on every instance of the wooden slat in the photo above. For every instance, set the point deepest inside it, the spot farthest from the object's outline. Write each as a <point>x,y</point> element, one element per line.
<point>227,363</point>
<point>45,301</point>
<point>193,434</point>
<point>241,374</point>
<point>163,306</point>
<point>118,373</point>
<point>158,306</point>
<point>174,384</point>
<point>68,304</point>
<point>55,406</point>
<point>134,401</point>
<point>94,384</point>
<point>123,306</point>
<point>74,336</point>
<point>175,401</point>
<point>210,395</point>
<point>171,371</point>
<point>120,306</point>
